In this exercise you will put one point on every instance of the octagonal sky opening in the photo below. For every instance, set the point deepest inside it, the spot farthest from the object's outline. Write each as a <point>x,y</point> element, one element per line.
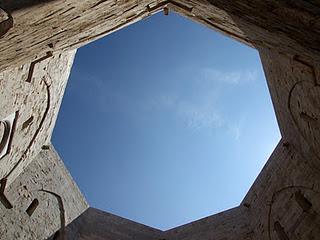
<point>166,121</point>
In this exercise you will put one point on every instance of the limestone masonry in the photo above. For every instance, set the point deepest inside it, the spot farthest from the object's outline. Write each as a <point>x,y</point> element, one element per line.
<point>38,42</point>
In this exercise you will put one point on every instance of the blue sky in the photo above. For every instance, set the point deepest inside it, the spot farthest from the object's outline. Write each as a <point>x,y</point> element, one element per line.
<point>165,122</point>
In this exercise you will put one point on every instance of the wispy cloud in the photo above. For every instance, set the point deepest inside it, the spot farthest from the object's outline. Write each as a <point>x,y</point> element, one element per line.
<point>228,77</point>
<point>202,113</point>
<point>235,128</point>
<point>206,114</point>
<point>201,116</point>
<point>235,131</point>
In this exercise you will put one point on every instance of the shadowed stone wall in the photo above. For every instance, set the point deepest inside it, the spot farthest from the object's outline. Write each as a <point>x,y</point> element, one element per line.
<point>38,38</point>
<point>47,181</point>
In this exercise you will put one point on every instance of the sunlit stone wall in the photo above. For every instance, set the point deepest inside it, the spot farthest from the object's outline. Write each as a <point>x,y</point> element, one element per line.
<point>38,38</point>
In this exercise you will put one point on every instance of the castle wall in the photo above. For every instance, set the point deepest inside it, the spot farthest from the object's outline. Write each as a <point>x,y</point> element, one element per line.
<point>294,88</point>
<point>95,224</point>
<point>232,224</point>
<point>60,25</point>
<point>283,203</point>
<point>47,181</point>
<point>289,27</point>
<point>38,198</point>
<point>35,96</point>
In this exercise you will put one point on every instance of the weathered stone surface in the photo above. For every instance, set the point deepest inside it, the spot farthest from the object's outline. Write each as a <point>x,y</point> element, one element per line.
<point>60,25</point>
<point>290,27</point>
<point>37,100</point>
<point>6,22</point>
<point>231,224</point>
<point>282,193</point>
<point>60,201</point>
<point>40,197</point>
<point>294,87</point>
<point>95,224</point>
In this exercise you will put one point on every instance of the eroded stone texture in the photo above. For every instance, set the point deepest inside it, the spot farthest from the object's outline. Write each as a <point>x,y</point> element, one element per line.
<point>232,225</point>
<point>295,91</point>
<point>60,201</point>
<point>37,100</point>
<point>6,22</point>
<point>284,201</point>
<point>61,25</point>
<point>95,224</point>
<point>286,194</point>
<point>290,27</point>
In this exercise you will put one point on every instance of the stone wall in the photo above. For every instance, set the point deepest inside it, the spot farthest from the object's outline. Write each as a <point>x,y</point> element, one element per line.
<point>284,200</point>
<point>34,92</point>
<point>38,198</point>
<point>232,224</point>
<point>60,25</point>
<point>40,26</point>
<point>95,224</point>
<point>47,183</point>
